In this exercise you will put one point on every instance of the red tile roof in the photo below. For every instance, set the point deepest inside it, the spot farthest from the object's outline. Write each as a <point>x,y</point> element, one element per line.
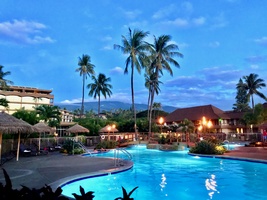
<point>196,113</point>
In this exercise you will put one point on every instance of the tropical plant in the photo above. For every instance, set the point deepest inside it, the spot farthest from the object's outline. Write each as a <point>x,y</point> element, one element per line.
<point>84,196</point>
<point>4,82</point>
<point>187,127</point>
<point>207,147</point>
<point>252,84</point>
<point>100,86</point>
<point>152,84</point>
<point>27,116</point>
<point>134,46</point>
<point>162,54</point>
<point>50,114</point>
<point>4,102</point>
<point>241,104</point>
<point>126,196</point>
<point>86,69</point>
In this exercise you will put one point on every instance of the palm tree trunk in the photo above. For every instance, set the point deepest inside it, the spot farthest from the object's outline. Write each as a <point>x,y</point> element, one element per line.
<point>98,105</point>
<point>133,106</point>
<point>82,107</point>
<point>252,101</point>
<point>150,109</point>
<point>148,100</point>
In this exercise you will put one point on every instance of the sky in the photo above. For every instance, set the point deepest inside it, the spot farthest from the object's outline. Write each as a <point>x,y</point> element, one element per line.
<point>221,41</point>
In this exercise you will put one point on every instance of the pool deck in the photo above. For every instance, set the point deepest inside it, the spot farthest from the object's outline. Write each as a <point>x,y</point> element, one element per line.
<point>56,169</point>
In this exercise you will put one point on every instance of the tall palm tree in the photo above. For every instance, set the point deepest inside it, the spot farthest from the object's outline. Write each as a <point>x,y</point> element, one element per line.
<point>251,84</point>
<point>152,84</point>
<point>162,56</point>
<point>4,82</point>
<point>100,86</point>
<point>134,46</point>
<point>86,69</point>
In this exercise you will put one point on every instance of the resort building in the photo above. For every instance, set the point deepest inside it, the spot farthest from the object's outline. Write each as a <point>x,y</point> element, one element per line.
<point>210,119</point>
<point>25,97</point>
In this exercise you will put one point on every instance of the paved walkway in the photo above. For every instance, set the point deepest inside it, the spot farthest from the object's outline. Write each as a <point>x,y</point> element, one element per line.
<point>55,168</point>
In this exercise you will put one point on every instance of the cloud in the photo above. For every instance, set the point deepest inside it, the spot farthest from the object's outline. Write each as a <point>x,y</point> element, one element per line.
<point>131,14</point>
<point>116,70</point>
<point>23,31</point>
<point>256,59</point>
<point>214,44</point>
<point>178,22</point>
<point>219,21</point>
<point>261,41</point>
<point>199,21</point>
<point>165,12</point>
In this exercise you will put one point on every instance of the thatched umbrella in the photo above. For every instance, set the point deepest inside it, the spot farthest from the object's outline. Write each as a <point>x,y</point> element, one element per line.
<point>77,129</point>
<point>42,128</point>
<point>108,129</point>
<point>12,125</point>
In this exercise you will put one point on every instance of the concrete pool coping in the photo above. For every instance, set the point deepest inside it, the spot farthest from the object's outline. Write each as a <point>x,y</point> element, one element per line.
<point>57,169</point>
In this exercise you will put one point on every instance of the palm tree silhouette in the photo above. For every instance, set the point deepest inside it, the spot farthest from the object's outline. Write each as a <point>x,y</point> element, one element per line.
<point>162,55</point>
<point>134,46</point>
<point>251,84</point>
<point>86,69</point>
<point>100,86</point>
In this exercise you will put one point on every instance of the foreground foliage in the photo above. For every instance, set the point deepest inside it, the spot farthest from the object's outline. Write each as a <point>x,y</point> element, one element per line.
<point>46,192</point>
<point>208,147</point>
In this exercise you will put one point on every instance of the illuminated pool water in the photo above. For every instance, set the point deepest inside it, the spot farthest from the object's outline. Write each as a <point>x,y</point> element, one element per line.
<point>176,175</point>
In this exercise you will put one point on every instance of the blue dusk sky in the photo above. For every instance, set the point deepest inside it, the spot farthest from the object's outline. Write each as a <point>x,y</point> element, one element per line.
<point>222,41</point>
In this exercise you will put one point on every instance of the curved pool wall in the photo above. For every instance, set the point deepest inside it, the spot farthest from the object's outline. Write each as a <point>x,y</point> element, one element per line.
<point>177,175</point>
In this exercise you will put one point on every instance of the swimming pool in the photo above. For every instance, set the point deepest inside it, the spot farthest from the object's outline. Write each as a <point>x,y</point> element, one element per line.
<point>176,175</point>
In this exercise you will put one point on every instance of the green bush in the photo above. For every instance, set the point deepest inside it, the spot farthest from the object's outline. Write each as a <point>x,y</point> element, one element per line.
<point>71,147</point>
<point>207,147</point>
<point>107,144</point>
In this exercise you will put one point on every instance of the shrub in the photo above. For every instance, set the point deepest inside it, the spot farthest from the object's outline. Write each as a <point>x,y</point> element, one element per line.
<point>107,144</point>
<point>71,147</point>
<point>208,147</point>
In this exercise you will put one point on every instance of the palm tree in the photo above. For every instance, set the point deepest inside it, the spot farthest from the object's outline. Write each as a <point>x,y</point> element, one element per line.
<point>100,86</point>
<point>4,82</point>
<point>152,84</point>
<point>251,84</point>
<point>86,68</point>
<point>4,102</point>
<point>134,46</point>
<point>187,127</point>
<point>162,55</point>
<point>50,114</point>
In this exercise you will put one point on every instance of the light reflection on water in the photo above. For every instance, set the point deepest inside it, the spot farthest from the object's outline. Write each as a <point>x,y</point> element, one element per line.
<point>176,175</point>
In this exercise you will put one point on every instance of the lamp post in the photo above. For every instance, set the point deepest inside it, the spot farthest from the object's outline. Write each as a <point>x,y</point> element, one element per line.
<point>161,120</point>
<point>113,128</point>
<point>204,125</point>
<point>109,128</point>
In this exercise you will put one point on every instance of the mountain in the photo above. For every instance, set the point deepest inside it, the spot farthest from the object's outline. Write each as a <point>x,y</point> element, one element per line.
<point>109,106</point>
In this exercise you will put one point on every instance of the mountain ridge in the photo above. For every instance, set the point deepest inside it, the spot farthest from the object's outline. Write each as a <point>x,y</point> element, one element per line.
<point>109,106</point>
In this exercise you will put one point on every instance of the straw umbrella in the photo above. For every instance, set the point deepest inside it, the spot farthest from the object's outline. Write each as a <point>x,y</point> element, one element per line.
<point>42,128</point>
<point>108,129</point>
<point>12,125</point>
<point>77,129</point>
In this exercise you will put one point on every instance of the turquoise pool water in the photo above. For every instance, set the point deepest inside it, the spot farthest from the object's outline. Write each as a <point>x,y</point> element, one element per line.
<point>176,175</point>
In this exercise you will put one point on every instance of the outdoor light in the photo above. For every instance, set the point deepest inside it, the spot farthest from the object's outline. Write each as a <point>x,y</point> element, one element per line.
<point>161,120</point>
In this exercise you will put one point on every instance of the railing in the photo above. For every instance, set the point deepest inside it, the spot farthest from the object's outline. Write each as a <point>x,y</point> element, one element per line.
<point>117,160</point>
<point>84,147</point>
